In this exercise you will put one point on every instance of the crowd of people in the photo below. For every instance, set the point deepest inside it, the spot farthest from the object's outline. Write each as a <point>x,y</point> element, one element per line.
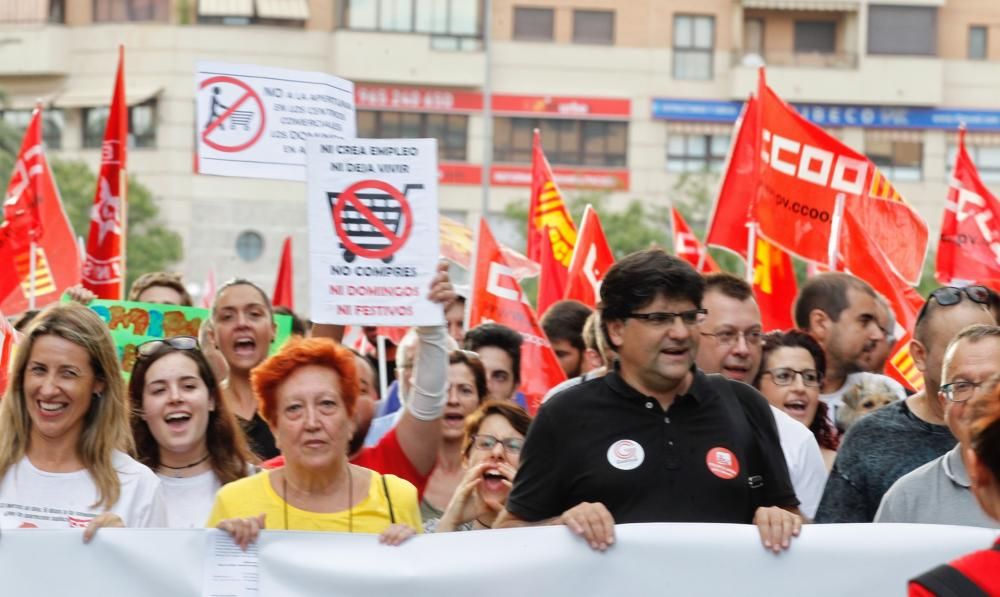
<point>679,407</point>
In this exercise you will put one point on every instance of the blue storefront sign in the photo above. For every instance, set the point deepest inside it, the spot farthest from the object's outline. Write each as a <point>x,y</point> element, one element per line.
<point>879,117</point>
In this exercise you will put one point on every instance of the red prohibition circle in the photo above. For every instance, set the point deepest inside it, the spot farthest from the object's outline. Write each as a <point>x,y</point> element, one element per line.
<point>249,94</point>
<point>395,241</point>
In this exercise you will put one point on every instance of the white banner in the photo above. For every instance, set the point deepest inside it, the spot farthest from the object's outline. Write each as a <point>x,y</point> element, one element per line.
<point>661,559</point>
<point>253,121</point>
<point>373,231</point>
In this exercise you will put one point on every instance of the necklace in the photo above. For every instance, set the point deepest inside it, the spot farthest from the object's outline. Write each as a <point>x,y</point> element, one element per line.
<point>350,498</point>
<point>186,466</point>
<point>488,526</point>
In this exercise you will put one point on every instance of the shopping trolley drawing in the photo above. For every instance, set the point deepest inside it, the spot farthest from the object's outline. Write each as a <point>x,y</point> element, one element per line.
<point>358,234</point>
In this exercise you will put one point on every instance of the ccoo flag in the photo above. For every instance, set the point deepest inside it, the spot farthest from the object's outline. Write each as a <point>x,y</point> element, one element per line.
<point>592,258</point>
<point>688,247</point>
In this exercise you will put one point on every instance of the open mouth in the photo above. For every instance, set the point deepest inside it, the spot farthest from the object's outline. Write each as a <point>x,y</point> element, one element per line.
<point>52,407</point>
<point>493,480</point>
<point>245,346</point>
<point>735,372</point>
<point>675,351</point>
<point>177,421</point>
<point>454,419</point>
<point>797,407</point>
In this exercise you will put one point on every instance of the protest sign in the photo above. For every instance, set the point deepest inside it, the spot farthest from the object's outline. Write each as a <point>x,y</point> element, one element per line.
<point>373,231</point>
<point>667,559</point>
<point>133,323</point>
<point>253,120</point>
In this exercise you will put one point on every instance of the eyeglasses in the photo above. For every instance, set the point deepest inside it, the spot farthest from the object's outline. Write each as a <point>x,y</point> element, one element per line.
<point>785,376</point>
<point>947,296</point>
<point>664,318</point>
<point>961,391</point>
<point>511,445</point>
<point>730,337</point>
<point>148,349</point>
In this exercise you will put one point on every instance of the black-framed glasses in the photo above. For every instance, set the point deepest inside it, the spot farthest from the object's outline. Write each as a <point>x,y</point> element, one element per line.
<point>148,349</point>
<point>664,318</point>
<point>730,337</point>
<point>785,376</point>
<point>962,391</point>
<point>511,445</point>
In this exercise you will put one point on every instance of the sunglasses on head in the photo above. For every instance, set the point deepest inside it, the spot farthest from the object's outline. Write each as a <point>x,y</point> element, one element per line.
<point>947,296</point>
<point>148,349</point>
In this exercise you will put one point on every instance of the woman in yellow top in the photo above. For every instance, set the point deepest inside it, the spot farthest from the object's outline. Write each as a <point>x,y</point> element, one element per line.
<point>307,393</point>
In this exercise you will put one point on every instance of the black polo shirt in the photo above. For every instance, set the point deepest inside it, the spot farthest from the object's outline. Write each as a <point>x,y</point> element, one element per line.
<point>713,456</point>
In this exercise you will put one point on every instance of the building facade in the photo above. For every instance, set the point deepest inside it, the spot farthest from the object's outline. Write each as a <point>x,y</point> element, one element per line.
<point>629,95</point>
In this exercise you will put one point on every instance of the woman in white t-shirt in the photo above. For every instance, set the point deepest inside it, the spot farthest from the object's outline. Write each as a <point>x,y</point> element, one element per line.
<point>183,428</point>
<point>64,432</point>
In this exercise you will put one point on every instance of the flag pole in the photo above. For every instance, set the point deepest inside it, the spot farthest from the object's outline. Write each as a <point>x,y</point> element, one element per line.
<point>751,251</point>
<point>487,106</point>
<point>31,275</point>
<point>838,219</point>
<point>383,374</point>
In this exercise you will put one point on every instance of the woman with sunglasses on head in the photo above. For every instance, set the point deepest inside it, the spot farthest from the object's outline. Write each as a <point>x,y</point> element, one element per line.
<point>64,434</point>
<point>466,389</point>
<point>491,452</point>
<point>791,373</point>
<point>308,392</point>
<point>183,428</point>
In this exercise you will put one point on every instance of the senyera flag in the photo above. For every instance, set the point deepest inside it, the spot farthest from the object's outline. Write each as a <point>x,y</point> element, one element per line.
<point>551,233</point>
<point>592,258</point>
<point>456,247</point>
<point>497,297</point>
<point>969,248</point>
<point>774,285</point>
<point>802,172</point>
<point>104,263</point>
<point>727,228</point>
<point>688,247</point>
<point>34,217</point>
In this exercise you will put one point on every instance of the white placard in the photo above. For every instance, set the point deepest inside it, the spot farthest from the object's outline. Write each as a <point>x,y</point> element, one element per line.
<point>253,121</point>
<point>373,231</point>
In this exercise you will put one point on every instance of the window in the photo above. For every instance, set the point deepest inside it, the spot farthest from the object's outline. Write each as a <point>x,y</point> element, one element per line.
<point>131,10</point>
<point>141,125</point>
<point>985,157</point>
<point>57,11</point>
<point>249,245</point>
<point>567,142</point>
<point>694,45</point>
<point>450,130</point>
<point>818,37</point>
<point>534,24</point>
<point>753,37</point>
<point>52,125</point>
<point>902,30</point>
<point>460,18</point>
<point>900,161</point>
<point>697,153</point>
<point>977,42</point>
<point>593,27</point>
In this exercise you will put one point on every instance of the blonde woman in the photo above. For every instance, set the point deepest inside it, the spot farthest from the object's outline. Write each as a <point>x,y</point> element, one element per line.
<point>64,432</point>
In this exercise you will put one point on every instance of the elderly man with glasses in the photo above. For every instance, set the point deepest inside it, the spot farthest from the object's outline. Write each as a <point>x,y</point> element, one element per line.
<point>655,440</point>
<point>939,491</point>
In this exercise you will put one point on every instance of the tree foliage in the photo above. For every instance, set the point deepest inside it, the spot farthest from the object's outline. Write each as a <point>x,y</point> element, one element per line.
<point>150,246</point>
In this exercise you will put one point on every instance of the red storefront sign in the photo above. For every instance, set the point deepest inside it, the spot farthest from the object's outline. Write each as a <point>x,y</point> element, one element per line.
<point>605,179</point>
<point>428,99</point>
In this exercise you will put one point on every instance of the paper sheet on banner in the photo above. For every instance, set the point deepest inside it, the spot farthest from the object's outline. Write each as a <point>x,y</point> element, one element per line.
<point>253,121</point>
<point>229,571</point>
<point>373,231</point>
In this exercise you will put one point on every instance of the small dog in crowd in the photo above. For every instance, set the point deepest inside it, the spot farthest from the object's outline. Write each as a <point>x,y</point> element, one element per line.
<point>861,400</point>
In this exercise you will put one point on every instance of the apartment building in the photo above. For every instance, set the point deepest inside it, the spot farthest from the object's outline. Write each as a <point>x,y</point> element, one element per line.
<point>629,95</point>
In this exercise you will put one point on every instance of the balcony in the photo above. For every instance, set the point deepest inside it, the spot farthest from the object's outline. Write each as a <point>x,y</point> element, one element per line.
<point>791,59</point>
<point>36,49</point>
<point>409,58</point>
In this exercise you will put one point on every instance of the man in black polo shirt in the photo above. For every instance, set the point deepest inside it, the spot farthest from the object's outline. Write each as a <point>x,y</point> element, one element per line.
<point>656,440</point>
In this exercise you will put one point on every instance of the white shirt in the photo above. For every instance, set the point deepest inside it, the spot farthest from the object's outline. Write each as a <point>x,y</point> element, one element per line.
<point>32,498</point>
<point>189,499</point>
<point>805,462</point>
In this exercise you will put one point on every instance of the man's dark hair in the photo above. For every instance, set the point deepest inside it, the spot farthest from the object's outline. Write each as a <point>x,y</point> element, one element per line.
<point>639,278</point>
<point>500,336</point>
<point>828,293</point>
<point>299,327</point>
<point>564,320</point>
<point>729,285</point>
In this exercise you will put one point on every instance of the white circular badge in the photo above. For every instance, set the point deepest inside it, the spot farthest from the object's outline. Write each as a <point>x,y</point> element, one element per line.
<point>626,454</point>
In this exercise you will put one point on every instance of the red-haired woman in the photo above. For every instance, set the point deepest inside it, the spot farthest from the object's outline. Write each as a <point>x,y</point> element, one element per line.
<point>307,393</point>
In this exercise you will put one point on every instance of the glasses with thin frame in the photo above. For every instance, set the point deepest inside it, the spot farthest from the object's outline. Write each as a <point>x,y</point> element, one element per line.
<point>665,318</point>
<point>511,445</point>
<point>785,376</point>
<point>962,391</point>
<point>730,337</point>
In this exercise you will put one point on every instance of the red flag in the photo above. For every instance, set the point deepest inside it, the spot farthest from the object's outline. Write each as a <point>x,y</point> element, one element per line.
<point>551,234</point>
<point>688,247</point>
<point>208,296</point>
<point>497,297</point>
<point>728,226</point>
<point>7,338</point>
<point>774,286</point>
<point>592,258</point>
<point>456,246</point>
<point>104,265</point>
<point>33,213</point>
<point>803,170</point>
<point>283,293</point>
<point>969,248</point>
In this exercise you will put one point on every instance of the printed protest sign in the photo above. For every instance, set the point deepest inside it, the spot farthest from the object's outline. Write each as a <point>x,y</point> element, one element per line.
<point>373,231</point>
<point>133,323</point>
<point>253,120</point>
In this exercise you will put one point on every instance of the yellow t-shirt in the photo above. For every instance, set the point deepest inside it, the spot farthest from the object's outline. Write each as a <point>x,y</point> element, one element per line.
<point>253,496</point>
